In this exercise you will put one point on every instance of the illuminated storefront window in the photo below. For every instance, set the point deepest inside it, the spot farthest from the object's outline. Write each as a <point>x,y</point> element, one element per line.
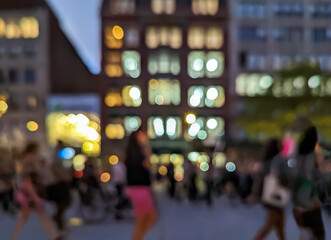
<point>164,36</point>
<point>200,37</point>
<point>75,129</point>
<point>205,7</point>
<point>164,92</point>
<point>164,62</point>
<point>118,128</point>
<point>122,6</point>
<point>129,96</point>
<point>200,96</point>
<point>25,27</point>
<point>163,6</point>
<point>203,128</point>
<point>127,62</point>
<point>201,64</point>
<point>159,127</point>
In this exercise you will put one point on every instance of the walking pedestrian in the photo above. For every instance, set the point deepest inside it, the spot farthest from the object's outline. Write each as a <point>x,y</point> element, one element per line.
<point>27,195</point>
<point>139,183</point>
<point>307,206</point>
<point>275,218</point>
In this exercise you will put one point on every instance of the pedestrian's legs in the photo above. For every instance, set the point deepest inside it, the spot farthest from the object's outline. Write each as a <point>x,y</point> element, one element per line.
<point>267,227</point>
<point>23,216</point>
<point>47,224</point>
<point>139,228</point>
<point>280,225</point>
<point>151,219</point>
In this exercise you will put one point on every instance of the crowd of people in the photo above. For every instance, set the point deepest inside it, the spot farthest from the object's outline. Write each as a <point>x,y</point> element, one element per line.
<point>277,184</point>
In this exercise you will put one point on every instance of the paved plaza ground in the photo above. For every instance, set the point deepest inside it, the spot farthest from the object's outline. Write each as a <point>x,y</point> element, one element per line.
<point>178,221</point>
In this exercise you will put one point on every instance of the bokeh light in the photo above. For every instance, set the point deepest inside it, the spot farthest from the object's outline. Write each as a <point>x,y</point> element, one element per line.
<point>32,126</point>
<point>113,159</point>
<point>105,177</point>
<point>118,32</point>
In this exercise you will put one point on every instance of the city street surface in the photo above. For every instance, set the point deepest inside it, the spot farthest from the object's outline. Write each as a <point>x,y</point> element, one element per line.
<point>178,220</point>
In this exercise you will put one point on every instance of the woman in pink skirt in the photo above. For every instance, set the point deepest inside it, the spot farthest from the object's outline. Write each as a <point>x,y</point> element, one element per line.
<point>139,184</point>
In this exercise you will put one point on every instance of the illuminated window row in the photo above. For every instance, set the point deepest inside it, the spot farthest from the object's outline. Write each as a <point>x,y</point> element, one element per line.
<point>199,7</point>
<point>166,92</point>
<point>170,127</point>
<point>164,36</point>
<point>25,27</point>
<point>258,85</point>
<point>200,64</point>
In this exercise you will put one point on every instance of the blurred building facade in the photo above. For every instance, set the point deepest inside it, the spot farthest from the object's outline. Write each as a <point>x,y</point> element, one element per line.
<point>36,60</point>
<point>267,37</point>
<point>164,69</point>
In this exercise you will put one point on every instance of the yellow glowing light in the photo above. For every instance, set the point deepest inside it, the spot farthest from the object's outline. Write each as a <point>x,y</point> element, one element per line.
<point>115,131</point>
<point>118,32</point>
<point>79,162</point>
<point>2,27</point>
<point>163,170</point>
<point>190,118</point>
<point>105,177</point>
<point>87,146</point>
<point>71,118</point>
<point>113,160</point>
<point>32,126</point>
<point>61,118</point>
<point>3,107</point>
<point>179,176</point>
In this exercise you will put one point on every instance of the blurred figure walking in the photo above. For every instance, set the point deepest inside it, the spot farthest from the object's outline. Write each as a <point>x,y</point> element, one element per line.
<point>139,183</point>
<point>119,179</point>
<point>27,195</point>
<point>307,206</point>
<point>275,216</point>
<point>59,191</point>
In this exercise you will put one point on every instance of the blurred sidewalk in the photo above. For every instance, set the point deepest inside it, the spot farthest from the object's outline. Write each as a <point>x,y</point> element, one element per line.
<point>178,221</point>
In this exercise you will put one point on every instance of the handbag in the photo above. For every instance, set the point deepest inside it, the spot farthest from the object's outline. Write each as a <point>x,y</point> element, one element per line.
<point>274,194</point>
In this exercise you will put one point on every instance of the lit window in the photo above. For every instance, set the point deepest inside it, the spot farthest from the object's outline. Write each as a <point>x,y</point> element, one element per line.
<point>205,7</point>
<point>114,37</point>
<point>158,127</point>
<point>113,66</point>
<point>164,36</point>
<point>199,37</point>
<point>131,124</point>
<point>29,27</point>
<point>131,96</point>
<point>115,129</point>
<point>164,62</point>
<point>114,98</point>
<point>128,62</point>
<point>163,6</point>
<point>131,38</point>
<point>2,27</point>
<point>202,64</point>
<point>30,76</point>
<point>131,63</point>
<point>122,6</point>
<point>164,92</point>
<point>203,128</point>
<point>200,96</point>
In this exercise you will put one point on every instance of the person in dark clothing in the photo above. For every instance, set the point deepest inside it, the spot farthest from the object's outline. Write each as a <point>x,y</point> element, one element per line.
<point>139,183</point>
<point>275,216</point>
<point>307,205</point>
